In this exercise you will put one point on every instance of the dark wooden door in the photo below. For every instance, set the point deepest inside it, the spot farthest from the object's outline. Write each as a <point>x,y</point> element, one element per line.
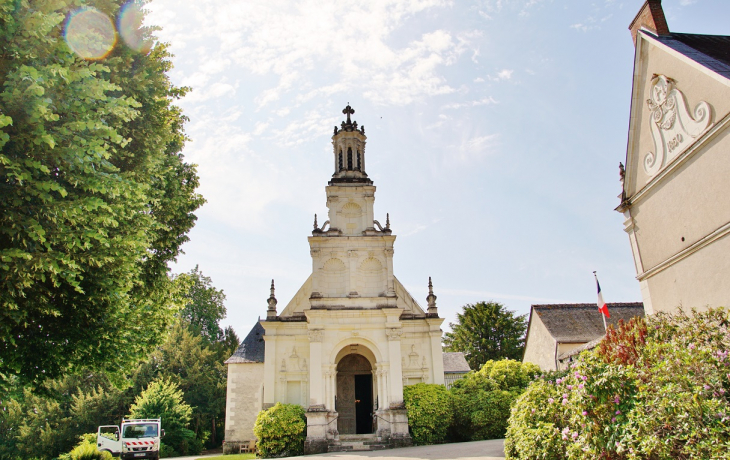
<point>364,403</point>
<point>354,395</point>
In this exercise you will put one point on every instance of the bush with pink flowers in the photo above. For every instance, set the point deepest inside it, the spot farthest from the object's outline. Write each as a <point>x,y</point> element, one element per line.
<point>654,389</point>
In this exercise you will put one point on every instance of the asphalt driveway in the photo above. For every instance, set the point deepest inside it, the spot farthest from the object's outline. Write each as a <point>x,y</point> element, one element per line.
<point>492,449</point>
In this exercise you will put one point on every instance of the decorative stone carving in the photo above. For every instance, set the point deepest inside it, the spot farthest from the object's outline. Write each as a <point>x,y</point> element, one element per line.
<point>673,128</point>
<point>316,335</point>
<point>413,357</point>
<point>394,333</point>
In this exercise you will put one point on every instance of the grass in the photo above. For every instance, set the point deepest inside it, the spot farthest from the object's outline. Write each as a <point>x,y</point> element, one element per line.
<point>233,457</point>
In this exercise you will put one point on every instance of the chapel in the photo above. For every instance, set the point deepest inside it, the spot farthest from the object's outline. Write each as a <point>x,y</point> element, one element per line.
<point>351,338</point>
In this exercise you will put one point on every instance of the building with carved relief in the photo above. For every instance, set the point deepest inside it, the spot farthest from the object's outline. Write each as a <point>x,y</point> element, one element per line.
<point>675,184</point>
<point>351,338</point>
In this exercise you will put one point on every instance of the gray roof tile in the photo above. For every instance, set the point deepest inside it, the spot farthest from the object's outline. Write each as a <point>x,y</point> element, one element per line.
<point>251,349</point>
<point>455,363</point>
<point>581,322</point>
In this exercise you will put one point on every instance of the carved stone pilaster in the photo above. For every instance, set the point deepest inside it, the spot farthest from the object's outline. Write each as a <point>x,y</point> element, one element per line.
<point>316,335</point>
<point>394,333</point>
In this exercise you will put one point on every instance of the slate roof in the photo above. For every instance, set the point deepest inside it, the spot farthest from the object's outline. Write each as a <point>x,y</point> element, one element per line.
<point>582,322</point>
<point>455,363</point>
<point>710,51</point>
<point>251,349</point>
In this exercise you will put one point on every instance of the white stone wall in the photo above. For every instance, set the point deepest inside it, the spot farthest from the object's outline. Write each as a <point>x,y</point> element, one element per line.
<point>244,400</point>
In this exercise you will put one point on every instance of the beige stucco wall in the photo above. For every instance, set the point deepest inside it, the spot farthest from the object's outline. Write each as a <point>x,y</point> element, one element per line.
<point>697,281</point>
<point>244,399</point>
<point>674,216</point>
<point>690,203</point>
<point>540,345</point>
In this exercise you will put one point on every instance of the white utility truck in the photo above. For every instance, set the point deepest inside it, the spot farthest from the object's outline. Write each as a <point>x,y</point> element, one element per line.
<point>138,438</point>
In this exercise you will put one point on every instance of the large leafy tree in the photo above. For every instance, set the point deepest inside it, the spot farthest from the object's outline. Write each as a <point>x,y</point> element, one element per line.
<point>95,196</point>
<point>487,330</point>
<point>203,304</point>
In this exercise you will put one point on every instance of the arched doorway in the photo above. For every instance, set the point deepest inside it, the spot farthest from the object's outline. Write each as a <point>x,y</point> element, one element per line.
<point>354,403</point>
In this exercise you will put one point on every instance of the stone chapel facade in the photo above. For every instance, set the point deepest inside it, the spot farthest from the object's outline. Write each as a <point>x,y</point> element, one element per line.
<point>351,338</point>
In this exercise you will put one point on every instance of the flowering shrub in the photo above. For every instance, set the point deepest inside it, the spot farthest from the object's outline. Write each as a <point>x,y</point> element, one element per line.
<point>655,389</point>
<point>281,431</point>
<point>429,414</point>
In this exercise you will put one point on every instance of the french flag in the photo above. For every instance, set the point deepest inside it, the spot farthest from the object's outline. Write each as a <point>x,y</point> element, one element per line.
<point>602,307</point>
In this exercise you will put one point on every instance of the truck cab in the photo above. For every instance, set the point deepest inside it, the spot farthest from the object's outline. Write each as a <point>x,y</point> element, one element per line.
<point>137,439</point>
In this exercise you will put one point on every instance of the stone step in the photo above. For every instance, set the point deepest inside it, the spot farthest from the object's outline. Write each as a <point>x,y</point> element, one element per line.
<point>357,442</point>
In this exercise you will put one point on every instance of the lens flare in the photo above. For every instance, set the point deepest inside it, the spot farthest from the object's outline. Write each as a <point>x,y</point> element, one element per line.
<point>130,27</point>
<point>90,34</point>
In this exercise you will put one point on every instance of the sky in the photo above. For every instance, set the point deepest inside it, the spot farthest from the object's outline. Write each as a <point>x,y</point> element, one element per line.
<point>495,130</point>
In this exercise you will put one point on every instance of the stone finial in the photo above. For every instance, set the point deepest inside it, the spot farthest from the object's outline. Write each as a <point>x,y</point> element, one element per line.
<point>431,299</point>
<point>387,221</point>
<point>315,222</point>
<point>271,311</point>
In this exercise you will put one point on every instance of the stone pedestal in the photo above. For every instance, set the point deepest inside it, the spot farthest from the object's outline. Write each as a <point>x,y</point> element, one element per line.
<point>316,442</point>
<point>399,435</point>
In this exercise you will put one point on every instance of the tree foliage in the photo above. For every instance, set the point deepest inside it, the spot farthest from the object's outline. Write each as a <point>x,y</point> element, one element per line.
<point>163,399</point>
<point>487,331</point>
<point>203,304</point>
<point>45,422</point>
<point>95,197</point>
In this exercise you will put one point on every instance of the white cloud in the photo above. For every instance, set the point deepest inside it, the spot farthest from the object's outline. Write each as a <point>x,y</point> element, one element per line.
<point>479,80</point>
<point>504,74</point>
<point>459,105</point>
<point>346,43</point>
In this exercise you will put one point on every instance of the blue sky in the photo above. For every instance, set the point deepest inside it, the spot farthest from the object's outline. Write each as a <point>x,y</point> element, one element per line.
<point>495,129</point>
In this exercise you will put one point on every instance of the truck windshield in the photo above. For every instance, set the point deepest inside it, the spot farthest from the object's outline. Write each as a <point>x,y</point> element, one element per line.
<point>140,430</point>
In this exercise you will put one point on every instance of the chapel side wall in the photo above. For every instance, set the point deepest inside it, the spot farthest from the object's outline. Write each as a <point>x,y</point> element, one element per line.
<point>244,400</point>
<point>698,281</point>
<point>540,347</point>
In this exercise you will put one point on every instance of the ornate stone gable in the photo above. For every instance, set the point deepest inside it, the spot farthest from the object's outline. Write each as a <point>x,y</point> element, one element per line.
<point>673,127</point>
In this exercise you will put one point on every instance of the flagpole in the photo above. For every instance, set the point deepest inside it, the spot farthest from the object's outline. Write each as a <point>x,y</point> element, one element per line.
<point>603,317</point>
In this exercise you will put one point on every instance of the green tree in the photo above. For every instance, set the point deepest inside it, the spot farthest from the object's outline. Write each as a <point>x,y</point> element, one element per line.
<point>163,399</point>
<point>95,197</point>
<point>203,304</point>
<point>487,330</point>
<point>185,360</point>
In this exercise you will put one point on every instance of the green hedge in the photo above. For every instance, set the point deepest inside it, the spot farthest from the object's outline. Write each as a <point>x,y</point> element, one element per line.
<point>653,389</point>
<point>281,431</point>
<point>481,401</point>
<point>476,407</point>
<point>429,414</point>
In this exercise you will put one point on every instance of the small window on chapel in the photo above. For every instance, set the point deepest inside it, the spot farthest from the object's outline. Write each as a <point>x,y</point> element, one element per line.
<point>340,162</point>
<point>349,158</point>
<point>358,161</point>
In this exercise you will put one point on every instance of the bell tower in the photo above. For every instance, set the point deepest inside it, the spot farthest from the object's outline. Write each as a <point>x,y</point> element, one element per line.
<point>352,253</point>
<point>349,152</point>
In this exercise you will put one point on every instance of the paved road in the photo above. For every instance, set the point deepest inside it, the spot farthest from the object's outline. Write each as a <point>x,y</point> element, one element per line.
<point>477,450</point>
